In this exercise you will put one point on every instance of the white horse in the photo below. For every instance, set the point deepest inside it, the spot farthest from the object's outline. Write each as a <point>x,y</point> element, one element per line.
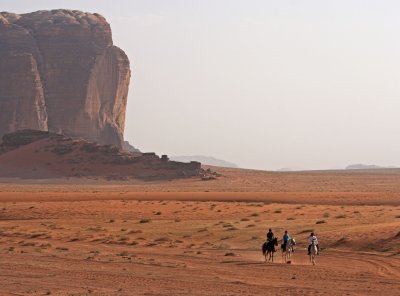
<point>287,252</point>
<point>313,253</point>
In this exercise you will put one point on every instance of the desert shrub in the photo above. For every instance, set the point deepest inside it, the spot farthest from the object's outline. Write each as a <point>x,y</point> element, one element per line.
<point>245,219</point>
<point>278,211</point>
<point>229,254</point>
<point>254,215</point>
<point>145,220</point>
<point>157,213</point>
<point>291,219</point>
<point>135,231</point>
<point>123,254</point>
<point>306,231</point>
<point>250,225</point>
<point>320,222</point>
<point>340,216</point>
<point>162,239</point>
<point>326,215</point>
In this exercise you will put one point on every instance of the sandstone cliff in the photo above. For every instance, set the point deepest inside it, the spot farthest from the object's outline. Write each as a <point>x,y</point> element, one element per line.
<point>59,71</point>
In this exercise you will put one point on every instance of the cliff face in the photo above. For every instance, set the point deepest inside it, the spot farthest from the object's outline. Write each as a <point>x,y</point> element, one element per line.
<point>60,72</point>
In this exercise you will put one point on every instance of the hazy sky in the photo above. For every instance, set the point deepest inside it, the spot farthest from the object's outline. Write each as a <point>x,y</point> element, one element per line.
<point>264,84</point>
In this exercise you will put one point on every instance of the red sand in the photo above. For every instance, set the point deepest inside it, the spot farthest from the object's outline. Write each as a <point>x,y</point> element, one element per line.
<point>85,237</point>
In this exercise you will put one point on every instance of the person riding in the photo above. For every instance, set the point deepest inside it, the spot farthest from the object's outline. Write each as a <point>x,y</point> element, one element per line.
<point>312,239</point>
<point>286,238</point>
<point>270,238</point>
<point>270,235</point>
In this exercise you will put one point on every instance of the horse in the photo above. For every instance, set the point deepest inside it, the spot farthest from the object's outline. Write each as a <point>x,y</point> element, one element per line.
<point>268,248</point>
<point>287,252</point>
<point>313,253</point>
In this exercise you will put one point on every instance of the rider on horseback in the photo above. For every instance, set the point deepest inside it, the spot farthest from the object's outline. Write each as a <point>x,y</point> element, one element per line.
<point>286,238</point>
<point>270,235</point>
<point>270,238</point>
<point>312,239</point>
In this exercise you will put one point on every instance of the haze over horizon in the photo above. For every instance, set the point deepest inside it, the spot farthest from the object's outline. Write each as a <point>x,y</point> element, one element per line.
<point>263,84</point>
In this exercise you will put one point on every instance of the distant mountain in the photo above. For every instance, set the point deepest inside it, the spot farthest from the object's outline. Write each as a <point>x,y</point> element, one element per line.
<point>208,160</point>
<point>367,167</point>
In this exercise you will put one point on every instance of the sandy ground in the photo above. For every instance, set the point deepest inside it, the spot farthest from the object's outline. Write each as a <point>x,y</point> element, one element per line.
<point>90,237</point>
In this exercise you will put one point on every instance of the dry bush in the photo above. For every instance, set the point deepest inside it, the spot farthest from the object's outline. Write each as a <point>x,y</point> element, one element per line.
<point>340,216</point>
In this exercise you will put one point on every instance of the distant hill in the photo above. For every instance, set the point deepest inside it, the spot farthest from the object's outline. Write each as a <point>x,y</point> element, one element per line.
<point>207,160</point>
<point>367,167</point>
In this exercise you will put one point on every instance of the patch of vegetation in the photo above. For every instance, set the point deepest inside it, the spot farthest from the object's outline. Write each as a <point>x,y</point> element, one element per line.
<point>320,222</point>
<point>340,216</point>
<point>245,219</point>
<point>135,231</point>
<point>162,239</point>
<point>145,220</point>
<point>326,215</point>
<point>254,215</point>
<point>278,211</point>
<point>230,254</point>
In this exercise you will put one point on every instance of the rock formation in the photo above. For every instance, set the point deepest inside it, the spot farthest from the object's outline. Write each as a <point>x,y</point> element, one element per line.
<point>59,71</point>
<point>38,154</point>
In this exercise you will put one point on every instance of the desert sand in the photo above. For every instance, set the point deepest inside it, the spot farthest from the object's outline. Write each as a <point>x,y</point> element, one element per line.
<point>193,237</point>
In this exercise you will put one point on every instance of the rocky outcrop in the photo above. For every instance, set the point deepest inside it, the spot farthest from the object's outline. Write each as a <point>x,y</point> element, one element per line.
<point>59,71</point>
<point>20,138</point>
<point>38,154</point>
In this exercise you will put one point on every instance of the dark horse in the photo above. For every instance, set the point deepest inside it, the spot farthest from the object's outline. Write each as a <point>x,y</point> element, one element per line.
<point>268,248</point>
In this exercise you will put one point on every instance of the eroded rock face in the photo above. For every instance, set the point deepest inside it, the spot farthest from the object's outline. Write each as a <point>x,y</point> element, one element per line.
<point>38,154</point>
<point>59,71</point>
